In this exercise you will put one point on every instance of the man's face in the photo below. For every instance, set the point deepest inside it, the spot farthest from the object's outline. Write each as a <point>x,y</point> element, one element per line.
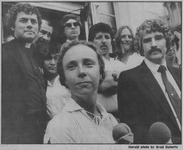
<point>50,64</point>
<point>72,29</point>
<point>45,31</point>
<point>26,26</point>
<point>103,42</point>
<point>126,39</point>
<point>81,70</point>
<point>154,45</point>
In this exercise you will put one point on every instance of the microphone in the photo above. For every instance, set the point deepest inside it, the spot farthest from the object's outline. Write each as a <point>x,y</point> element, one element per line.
<point>160,133</point>
<point>122,134</point>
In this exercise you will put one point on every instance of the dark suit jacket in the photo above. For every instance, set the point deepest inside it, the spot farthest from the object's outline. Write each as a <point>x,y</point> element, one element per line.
<point>141,102</point>
<point>17,125</point>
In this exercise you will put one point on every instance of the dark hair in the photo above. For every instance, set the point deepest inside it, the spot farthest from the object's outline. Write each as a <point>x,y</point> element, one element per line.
<point>65,18</point>
<point>15,9</point>
<point>118,39</point>
<point>65,47</point>
<point>149,26</point>
<point>53,48</point>
<point>176,41</point>
<point>99,27</point>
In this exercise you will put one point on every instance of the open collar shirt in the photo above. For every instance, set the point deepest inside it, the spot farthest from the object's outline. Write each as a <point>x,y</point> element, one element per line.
<point>73,125</point>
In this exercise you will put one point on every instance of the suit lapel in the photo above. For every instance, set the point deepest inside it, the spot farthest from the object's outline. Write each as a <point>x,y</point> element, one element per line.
<point>154,89</point>
<point>176,73</point>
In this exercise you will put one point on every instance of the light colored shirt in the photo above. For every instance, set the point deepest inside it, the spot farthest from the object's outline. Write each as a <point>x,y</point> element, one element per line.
<point>73,125</point>
<point>57,96</point>
<point>110,102</point>
<point>134,60</point>
<point>154,69</point>
<point>113,65</point>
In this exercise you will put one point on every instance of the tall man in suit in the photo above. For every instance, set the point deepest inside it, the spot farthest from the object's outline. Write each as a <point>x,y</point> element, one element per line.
<point>142,94</point>
<point>24,114</point>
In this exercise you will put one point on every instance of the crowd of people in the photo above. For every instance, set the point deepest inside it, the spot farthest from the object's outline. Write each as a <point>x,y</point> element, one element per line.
<point>75,92</point>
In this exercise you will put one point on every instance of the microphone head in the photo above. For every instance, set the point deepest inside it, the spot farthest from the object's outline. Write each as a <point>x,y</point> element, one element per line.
<point>120,130</point>
<point>159,133</point>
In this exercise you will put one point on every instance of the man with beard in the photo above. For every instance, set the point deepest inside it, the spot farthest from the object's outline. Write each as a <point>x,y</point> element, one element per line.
<point>126,53</point>
<point>57,95</point>
<point>101,34</point>
<point>148,93</point>
<point>24,114</point>
<point>42,40</point>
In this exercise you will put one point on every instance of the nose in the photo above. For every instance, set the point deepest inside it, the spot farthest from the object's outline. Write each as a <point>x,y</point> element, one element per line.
<point>72,25</point>
<point>103,39</point>
<point>29,24</point>
<point>153,43</point>
<point>81,72</point>
<point>53,61</point>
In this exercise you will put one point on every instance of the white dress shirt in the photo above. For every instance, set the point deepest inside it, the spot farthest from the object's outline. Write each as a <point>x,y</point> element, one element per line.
<point>57,96</point>
<point>73,125</point>
<point>154,69</point>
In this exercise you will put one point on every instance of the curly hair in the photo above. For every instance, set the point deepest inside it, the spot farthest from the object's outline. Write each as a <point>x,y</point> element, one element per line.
<point>65,47</point>
<point>149,26</point>
<point>99,27</point>
<point>118,39</point>
<point>15,9</point>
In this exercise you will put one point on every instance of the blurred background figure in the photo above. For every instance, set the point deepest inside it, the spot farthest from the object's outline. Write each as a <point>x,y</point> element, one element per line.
<point>125,50</point>
<point>171,57</point>
<point>57,95</point>
<point>41,43</point>
<point>70,28</point>
<point>101,34</point>
<point>46,30</point>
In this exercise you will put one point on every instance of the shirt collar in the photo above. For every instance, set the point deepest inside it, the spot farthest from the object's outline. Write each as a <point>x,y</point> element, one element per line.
<point>152,66</point>
<point>55,81</point>
<point>73,106</point>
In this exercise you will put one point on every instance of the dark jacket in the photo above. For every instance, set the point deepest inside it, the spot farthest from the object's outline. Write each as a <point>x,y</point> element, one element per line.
<point>20,122</point>
<point>141,102</point>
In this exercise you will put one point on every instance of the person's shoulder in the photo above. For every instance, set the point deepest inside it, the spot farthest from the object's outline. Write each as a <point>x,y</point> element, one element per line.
<point>60,121</point>
<point>9,44</point>
<point>132,70</point>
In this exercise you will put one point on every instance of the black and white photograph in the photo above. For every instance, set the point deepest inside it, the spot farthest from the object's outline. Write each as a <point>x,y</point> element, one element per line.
<point>89,75</point>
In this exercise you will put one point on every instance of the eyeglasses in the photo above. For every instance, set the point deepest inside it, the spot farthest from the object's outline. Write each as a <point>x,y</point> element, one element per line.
<point>69,25</point>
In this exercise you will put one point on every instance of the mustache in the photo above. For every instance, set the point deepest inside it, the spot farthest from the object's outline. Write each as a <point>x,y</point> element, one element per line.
<point>154,49</point>
<point>104,45</point>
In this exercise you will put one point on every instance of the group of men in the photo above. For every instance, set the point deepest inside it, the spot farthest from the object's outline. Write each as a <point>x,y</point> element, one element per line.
<point>31,86</point>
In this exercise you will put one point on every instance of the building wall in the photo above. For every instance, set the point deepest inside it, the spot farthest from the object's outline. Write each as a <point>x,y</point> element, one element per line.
<point>134,13</point>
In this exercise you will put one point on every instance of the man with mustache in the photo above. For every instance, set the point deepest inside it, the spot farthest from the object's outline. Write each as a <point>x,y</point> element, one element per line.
<point>102,35</point>
<point>57,95</point>
<point>24,114</point>
<point>143,94</point>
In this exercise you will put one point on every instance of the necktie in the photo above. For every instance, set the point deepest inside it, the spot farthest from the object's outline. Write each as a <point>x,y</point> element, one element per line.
<point>172,94</point>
